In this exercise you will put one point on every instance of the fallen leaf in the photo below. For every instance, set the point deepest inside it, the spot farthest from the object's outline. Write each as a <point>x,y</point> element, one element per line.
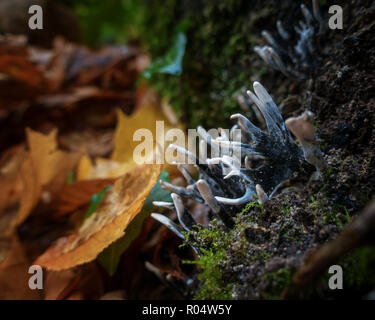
<point>126,126</point>
<point>81,94</point>
<point>42,168</point>
<point>122,157</point>
<point>120,206</point>
<point>50,163</point>
<point>110,257</point>
<point>101,168</point>
<point>96,200</point>
<point>78,194</point>
<point>14,267</point>
<point>56,282</point>
<point>21,69</point>
<point>10,179</point>
<point>73,284</point>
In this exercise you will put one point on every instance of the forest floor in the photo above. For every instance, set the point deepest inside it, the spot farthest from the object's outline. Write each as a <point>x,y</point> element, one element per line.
<point>51,181</point>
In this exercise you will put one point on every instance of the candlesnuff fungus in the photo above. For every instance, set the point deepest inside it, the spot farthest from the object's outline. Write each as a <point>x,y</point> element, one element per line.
<point>294,59</point>
<point>228,181</point>
<point>261,157</point>
<point>231,179</point>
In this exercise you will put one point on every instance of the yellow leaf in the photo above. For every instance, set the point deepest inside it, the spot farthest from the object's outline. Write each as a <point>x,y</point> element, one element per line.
<point>107,224</point>
<point>84,168</point>
<point>103,168</point>
<point>122,157</point>
<point>126,126</point>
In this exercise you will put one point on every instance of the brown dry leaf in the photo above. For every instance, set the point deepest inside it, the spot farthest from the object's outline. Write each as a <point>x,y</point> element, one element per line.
<point>57,282</point>
<point>14,267</point>
<point>19,68</point>
<point>19,191</point>
<point>76,95</point>
<point>45,169</point>
<point>75,65</point>
<point>42,168</point>
<point>74,284</point>
<point>91,142</point>
<point>107,224</point>
<point>31,191</point>
<point>12,44</point>
<point>74,196</point>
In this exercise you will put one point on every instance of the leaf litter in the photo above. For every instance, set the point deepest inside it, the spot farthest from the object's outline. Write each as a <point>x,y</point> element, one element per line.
<point>64,157</point>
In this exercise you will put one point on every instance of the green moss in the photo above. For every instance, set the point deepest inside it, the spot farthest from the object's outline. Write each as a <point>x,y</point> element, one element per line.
<point>213,286</point>
<point>249,207</point>
<point>331,213</point>
<point>218,246</point>
<point>211,262</point>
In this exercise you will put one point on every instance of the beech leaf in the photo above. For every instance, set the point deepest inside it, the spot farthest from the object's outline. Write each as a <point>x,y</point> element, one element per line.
<point>108,223</point>
<point>110,257</point>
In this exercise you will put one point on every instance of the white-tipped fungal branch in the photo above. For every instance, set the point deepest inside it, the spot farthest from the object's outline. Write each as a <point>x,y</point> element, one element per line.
<point>294,60</point>
<point>184,217</point>
<point>169,224</point>
<point>207,195</point>
<point>247,197</point>
<point>163,204</point>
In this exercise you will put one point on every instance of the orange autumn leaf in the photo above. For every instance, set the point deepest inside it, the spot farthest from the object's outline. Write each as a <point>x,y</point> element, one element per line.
<point>42,168</point>
<point>10,180</point>
<point>45,169</point>
<point>107,224</point>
